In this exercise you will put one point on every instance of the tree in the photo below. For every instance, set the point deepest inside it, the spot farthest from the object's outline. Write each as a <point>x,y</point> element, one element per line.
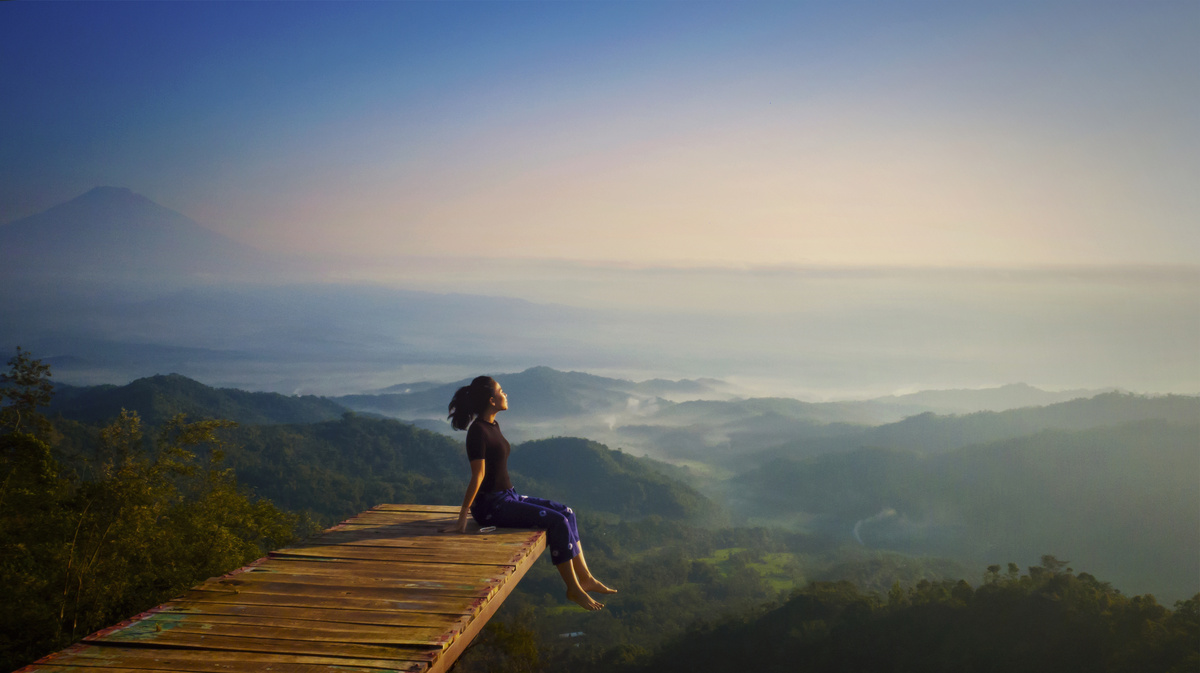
<point>77,555</point>
<point>23,389</point>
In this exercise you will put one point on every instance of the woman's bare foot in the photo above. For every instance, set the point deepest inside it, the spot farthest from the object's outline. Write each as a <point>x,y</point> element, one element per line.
<point>593,584</point>
<point>581,598</point>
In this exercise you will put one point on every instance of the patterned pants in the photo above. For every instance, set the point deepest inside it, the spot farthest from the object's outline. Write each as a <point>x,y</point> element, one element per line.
<point>509,510</point>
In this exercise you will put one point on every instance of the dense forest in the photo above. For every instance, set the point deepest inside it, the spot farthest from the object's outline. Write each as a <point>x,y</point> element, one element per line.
<point>124,518</point>
<point>115,498</point>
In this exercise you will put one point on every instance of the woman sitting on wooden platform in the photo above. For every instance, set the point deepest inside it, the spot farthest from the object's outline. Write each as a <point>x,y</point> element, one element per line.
<point>492,500</point>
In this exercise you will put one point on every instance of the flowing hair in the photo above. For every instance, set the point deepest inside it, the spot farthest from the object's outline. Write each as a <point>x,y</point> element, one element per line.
<point>469,401</point>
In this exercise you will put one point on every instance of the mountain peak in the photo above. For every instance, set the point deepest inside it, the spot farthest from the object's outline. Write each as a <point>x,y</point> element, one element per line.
<point>120,199</point>
<point>115,233</point>
<point>105,191</point>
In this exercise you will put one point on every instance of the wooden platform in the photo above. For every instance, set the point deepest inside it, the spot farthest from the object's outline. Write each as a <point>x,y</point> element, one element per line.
<point>383,591</point>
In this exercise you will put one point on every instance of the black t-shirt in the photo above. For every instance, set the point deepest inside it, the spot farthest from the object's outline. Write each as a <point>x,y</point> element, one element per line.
<point>485,441</point>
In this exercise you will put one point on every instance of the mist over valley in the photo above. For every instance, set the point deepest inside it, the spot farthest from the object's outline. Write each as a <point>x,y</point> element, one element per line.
<point>856,337</point>
<point>87,287</point>
<point>744,400</point>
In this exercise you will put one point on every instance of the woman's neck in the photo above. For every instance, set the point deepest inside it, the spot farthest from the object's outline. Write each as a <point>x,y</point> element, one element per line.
<point>488,416</point>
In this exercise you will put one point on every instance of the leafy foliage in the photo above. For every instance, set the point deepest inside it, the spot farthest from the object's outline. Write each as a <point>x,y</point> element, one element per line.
<point>592,477</point>
<point>338,468</point>
<point>157,399</point>
<point>23,389</point>
<point>1123,497</point>
<point>1047,620</point>
<point>151,520</point>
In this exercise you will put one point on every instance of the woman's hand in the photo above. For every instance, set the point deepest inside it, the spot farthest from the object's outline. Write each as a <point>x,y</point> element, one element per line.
<point>460,527</point>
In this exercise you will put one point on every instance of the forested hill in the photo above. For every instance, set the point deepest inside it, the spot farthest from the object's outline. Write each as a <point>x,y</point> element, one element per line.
<point>586,472</point>
<point>1122,500</point>
<point>536,393</point>
<point>1047,621</point>
<point>158,398</point>
<point>930,433</point>
<point>337,468</point>
<point>311,454</point>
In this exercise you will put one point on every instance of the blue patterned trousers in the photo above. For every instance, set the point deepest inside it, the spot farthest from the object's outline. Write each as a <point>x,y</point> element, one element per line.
<point>507,509</point>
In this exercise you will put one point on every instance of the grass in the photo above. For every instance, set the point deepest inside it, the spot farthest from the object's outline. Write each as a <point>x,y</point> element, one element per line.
<point>780,570</point>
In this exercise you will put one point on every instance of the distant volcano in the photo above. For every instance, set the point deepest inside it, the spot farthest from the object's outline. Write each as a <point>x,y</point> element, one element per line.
<point>113,233</point>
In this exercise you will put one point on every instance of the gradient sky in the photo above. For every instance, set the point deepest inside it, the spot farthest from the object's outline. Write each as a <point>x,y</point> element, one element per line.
<point>669,134</point>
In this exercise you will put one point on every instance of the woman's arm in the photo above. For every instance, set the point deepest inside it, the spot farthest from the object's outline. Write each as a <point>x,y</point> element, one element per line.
<point>472,490</point>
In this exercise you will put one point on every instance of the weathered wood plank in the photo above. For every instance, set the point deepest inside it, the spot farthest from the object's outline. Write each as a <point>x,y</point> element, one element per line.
<point>152,658</point>
<point>501,557</point>
<point>374,538</point>
<point>444,509</point>
<point>462,605</point>
<point>382,591</point>
<point>351,591</point>
<point>327,615</point>
<point>316,566</point>
<point>224,668</point>
<point>277,627</point>
<point>460,583</point>
<point>164,630</point>
<point>199,641</point>
<point>480,618</point>
<point>415,518</point>
<point>351,576</point>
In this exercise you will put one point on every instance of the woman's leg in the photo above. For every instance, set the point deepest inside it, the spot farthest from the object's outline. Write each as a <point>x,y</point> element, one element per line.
<point>561,538</point>
<point>575,592</point>
<point>586,579</point>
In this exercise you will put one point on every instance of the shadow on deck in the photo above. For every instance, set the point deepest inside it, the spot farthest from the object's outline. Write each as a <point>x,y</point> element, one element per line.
<point>381,591</point>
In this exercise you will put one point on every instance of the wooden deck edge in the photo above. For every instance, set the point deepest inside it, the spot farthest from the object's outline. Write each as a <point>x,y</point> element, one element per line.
<point>459,645</point>
<point>445,658</point>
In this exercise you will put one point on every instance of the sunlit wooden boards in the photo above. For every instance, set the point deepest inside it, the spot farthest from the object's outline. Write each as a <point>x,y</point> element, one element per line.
<point>383,591</point>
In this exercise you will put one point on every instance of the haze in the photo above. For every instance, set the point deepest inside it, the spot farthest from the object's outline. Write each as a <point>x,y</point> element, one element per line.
<point>836,199</point>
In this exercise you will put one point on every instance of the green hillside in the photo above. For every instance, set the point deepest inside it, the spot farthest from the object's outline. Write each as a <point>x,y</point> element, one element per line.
<point>590,476</point>
<point>929,433</point>
<point>1123,500</point>
<point>158,398</point>
<point>536,393</point>
<point>310,454</point>
<point>335,469</point>
<point>1049,620</point>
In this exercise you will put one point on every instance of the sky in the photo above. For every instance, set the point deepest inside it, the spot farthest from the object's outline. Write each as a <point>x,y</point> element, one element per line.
<point>675,134</point>
<point>911,194</point>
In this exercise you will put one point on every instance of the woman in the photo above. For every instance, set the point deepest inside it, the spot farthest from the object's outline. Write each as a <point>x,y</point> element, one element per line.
<point>492,500</point>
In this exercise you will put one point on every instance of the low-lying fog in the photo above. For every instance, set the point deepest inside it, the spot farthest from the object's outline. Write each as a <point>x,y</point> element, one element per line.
<point>813,334</point>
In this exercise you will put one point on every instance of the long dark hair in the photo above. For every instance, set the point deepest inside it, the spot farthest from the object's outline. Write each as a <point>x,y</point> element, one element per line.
<point>470,401</point>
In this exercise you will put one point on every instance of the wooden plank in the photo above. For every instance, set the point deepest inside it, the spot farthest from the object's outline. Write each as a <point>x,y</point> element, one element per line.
<point>233,666</point>
<point>236,668</point>
<point>156,627</point>
<point>460,643</point>
<point>351,590</point>
<point>152,658</point>
<point>472,581</point>
<point>390,538</point>
<point>328,615</point>
<point>185,639</point>
<point>501,557</point>
<point>380,516</point>
<point>366,566</point>
<point>353,574</point>
<point>443,509</point>
<point>385,590</point>
<point>460,606</point>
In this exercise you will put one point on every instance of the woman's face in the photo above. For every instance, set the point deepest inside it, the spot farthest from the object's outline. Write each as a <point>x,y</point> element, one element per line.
<point>499,400</point>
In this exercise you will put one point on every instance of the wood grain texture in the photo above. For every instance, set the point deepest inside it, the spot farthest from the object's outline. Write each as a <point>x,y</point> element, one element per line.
<point>382,591</point>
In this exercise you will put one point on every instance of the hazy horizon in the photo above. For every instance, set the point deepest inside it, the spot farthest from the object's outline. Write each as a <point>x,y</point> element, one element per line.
<point>815,200</point>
